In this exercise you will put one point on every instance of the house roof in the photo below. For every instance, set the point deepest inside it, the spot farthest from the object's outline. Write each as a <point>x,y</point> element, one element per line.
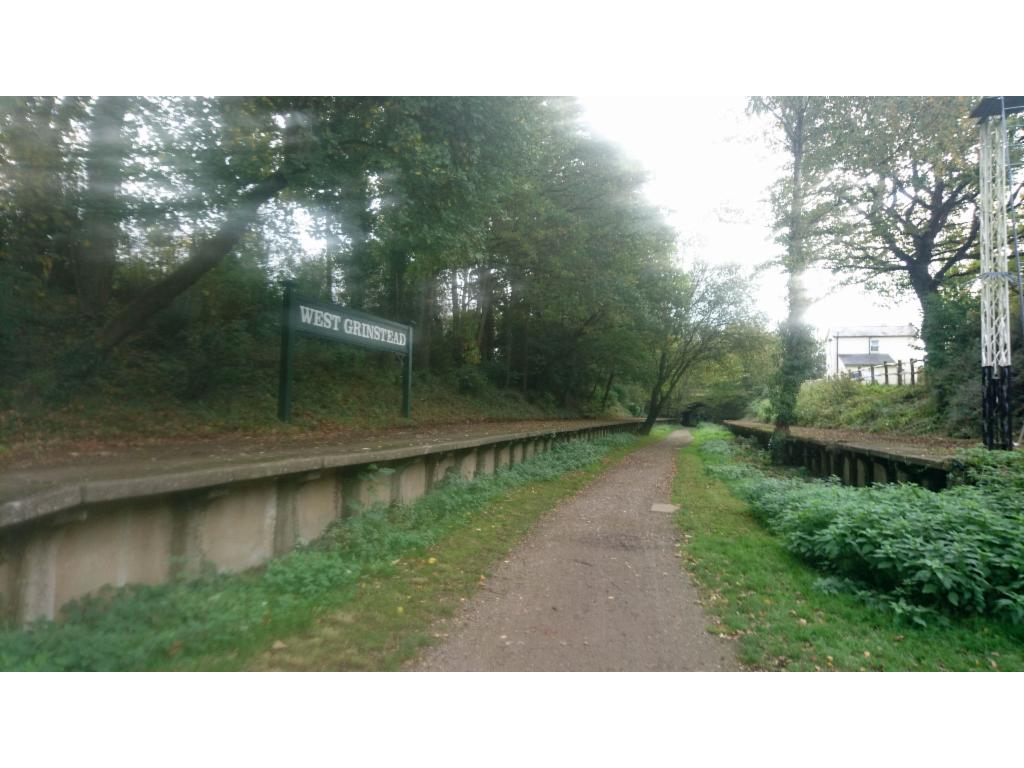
<point>873,330</point>
<point>855,360</point>
<point>990,106</point>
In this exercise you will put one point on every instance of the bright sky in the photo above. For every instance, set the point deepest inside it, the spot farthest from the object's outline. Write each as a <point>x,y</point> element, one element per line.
<point>711,167</point>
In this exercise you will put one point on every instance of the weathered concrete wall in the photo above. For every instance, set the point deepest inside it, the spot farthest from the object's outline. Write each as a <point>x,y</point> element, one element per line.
<point>441,465</point>
<point>316,504</point>
<point>83,539</point>
<point>412,482</point>
<point>365,486</point>
<point>485,460</point>
<point>467,463</point>
<point>8,584</point>
<point>236,530</point>
<point>78,554</point>
<point>502,456</point>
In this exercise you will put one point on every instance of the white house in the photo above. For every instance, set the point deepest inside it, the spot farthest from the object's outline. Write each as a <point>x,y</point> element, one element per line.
<point>860,347</point>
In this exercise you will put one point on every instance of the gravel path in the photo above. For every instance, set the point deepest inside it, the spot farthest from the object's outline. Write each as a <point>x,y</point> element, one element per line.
<point>597,586</point>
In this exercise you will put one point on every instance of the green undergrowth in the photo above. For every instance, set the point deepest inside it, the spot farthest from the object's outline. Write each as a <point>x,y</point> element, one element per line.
<point>141,395</point>
<point>811,575</point>
<point>222,621</point>
<point>399,611</point>
<point>846,404</point>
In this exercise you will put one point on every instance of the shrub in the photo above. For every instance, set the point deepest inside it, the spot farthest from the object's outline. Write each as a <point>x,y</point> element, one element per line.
<point>470,379</point>
<point>958,551</point>
<point>832,403</point>
<point>761,410</point>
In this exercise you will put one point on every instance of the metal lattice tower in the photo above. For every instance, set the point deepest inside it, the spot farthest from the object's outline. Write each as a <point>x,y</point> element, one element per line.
<point>998,229</point>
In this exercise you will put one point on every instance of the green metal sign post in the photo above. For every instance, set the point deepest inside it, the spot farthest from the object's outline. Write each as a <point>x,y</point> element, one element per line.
<point>343,325</point>
<point>284,378</point>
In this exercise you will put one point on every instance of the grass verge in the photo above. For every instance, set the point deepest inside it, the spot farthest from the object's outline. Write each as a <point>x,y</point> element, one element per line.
<point>395,613</point>
<point>363,597</point>
<point>765,598</point>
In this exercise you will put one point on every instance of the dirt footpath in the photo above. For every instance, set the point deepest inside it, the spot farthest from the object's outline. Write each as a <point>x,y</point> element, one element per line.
<point>597,586</point>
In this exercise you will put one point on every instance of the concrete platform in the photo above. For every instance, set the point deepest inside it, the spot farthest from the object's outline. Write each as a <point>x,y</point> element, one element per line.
<point>67,531</point>
<point>861,458</point>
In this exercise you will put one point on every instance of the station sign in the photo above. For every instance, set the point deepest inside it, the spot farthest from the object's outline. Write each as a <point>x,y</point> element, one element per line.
<point>344,325</point>
<point>349,326</point>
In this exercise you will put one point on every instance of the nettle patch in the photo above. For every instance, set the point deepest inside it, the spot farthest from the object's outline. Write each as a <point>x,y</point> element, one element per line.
<point>923,554</point>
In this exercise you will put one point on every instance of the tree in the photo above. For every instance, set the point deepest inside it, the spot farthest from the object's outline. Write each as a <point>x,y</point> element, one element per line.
<point>702,317</point>
<point>208,253</point>
<point>521,246</point>
<point>799,210</point>
<point>905,171</point>
<point>39,147</point>
<point>96,257</point>
<point>568,251</point>
<point>726,388</point>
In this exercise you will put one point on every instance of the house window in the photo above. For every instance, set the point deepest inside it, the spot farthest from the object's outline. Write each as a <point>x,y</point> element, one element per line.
<point>872,346</point>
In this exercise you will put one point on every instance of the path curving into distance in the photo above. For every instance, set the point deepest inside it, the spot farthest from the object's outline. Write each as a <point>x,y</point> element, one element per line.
<point>596,586</point>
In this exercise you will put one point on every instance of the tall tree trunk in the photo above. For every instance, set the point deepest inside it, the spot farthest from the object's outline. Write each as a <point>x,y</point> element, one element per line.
<point>465,292</point>
<point>205,257</point>
<point>607,389</point>
<point>357,219</point>
<point>328,275</point>
<point>96,255</point>
<point>457,351</point>
<point>526,348</point>
<point>424,336</point>
<point>397,263</point>
<point>653,410</point>
<point>510,315</point>
<point>791,374</point>
<point>485,300</point>
<point>455,301</point>
<point>654,405</point>
<point>927,290</point>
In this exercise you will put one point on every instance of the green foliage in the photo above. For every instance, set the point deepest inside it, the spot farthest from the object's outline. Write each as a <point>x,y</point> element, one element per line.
<point>846,404</point>
<point>882,191</point>
<point>799,207</point>
<point>953,338</point>
<point>149,627</point>
<point>522,247</point>
<point>886,156</point>
<point>800,361</point>
<point>1000,474</point>
<point>470,378</point>
<point>957,551</point>
<point>761,410</point>
<point>784,614</point>
<point>699,321</point>
<point>722,389</point>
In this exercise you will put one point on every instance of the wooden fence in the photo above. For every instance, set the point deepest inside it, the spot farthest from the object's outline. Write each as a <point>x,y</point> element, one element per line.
<point>892,374</point>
